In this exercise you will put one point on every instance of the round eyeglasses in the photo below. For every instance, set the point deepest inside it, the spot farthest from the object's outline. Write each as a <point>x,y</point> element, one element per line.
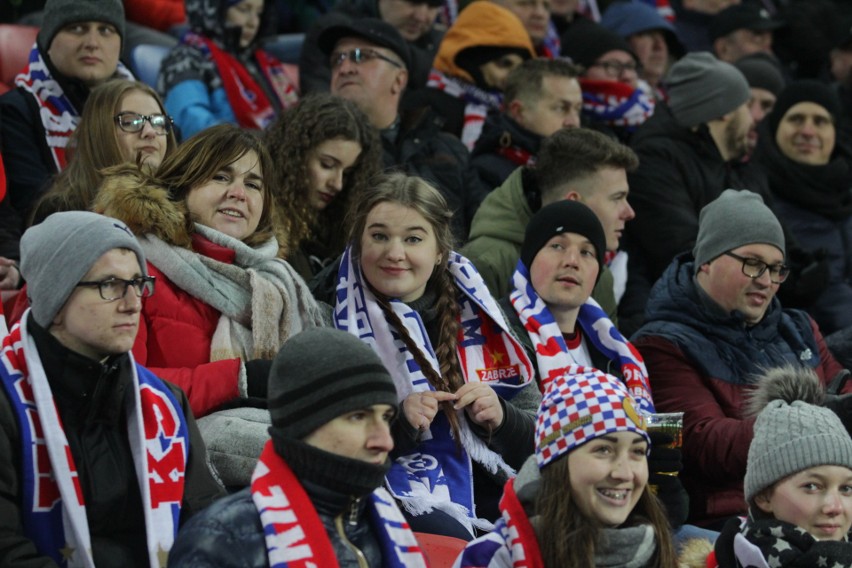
<point>116,288</point>
<point>134,122</point>
<point>754,268</point>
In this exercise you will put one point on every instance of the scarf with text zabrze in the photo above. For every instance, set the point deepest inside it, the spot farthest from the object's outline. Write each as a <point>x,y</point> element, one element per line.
<point>53,510</point>
<point>58,115</point>
<point>295,535</point>
<point>437,474</point>
<point>477,103</point>
<point>250,104</point>
<point>552,353</point>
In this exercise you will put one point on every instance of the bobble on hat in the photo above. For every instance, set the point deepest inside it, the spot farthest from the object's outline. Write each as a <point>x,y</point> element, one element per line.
<point>578,408</point>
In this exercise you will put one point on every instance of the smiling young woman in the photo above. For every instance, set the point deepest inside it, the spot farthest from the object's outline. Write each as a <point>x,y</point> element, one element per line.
<point>583,498</point>
<point>225,302</point>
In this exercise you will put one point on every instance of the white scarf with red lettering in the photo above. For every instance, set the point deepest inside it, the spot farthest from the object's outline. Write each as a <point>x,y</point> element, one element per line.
<point>295,535</point>
<point>52,499</point>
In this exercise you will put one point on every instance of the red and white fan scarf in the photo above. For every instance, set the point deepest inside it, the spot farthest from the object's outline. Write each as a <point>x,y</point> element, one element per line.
<point>551,352</point>
<point>477,103</point>
<point>58,115</point>
<point>248,100</point>
<point>52,501</point>
<point>295,535</point>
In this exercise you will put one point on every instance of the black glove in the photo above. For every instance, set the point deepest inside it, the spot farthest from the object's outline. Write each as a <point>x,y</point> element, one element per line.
<point>257,375</point>
<point>663,466</point>
<point>809,272</point>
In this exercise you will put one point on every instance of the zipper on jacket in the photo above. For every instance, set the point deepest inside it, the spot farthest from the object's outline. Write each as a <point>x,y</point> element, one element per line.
<point>353,520</point>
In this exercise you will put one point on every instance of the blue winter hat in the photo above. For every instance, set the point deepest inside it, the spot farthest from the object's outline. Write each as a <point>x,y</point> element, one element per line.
<point>629,18</point>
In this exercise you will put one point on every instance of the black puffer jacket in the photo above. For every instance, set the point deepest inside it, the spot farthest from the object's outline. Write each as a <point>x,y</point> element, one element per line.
<point>417,146</point>
<point>499,132</point>
<point>92,399</point>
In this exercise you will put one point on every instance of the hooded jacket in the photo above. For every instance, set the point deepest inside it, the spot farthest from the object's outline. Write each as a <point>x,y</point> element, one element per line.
<point>190,81</point>
<point>701,361</point>
<point>480,24</point>
<point>497,233</point>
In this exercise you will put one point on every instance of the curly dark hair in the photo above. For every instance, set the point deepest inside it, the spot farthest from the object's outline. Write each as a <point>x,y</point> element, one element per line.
<point>291,141</point>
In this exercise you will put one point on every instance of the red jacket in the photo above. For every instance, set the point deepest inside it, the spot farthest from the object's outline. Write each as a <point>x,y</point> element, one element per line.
<point>716,437</point>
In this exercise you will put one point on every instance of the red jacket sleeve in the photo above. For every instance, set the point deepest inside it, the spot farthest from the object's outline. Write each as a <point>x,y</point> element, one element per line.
<point>158,14</point>
<point>207,385</point>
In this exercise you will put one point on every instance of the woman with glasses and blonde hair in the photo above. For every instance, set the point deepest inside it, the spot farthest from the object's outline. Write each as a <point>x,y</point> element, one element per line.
<point>123,122</point>
<point>225,301</point>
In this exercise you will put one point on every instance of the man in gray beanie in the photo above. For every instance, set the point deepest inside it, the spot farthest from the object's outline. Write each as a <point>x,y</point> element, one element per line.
<point>102,459</point>
<point>713,324</point>
<point>765,82</point>
<point>689,151</point>
<point>77,48</point>
<point>332,402</point>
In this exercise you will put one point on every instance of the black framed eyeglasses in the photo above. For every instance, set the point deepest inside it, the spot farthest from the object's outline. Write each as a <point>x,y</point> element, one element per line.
<point>360,55</point>
<point>116,288</point>
<point>754,268</point>
<point>617,68</point>
<point>134,122</point>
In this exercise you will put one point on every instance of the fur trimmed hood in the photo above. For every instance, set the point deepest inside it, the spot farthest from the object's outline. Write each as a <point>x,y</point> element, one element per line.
<point>144,205</point>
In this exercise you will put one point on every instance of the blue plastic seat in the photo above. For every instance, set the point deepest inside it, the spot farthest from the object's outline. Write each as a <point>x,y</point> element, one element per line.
<point>145,61</point>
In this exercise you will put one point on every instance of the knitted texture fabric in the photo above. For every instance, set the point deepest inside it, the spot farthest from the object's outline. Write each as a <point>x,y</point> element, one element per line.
<point>60,13</point>
<point>702,88</point>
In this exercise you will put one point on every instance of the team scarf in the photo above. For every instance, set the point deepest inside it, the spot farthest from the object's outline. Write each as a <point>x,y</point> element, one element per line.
<point>517,155</point>
<point>249,102</point>
<point>58,116</point>
<point>551,351</point>
<point>295,535</point>
<point>53,509</point>
<point>437,474</point>
<point>513,541</point>
<point>550,45</point>
<point>477,103</point>
<point>616,104</point>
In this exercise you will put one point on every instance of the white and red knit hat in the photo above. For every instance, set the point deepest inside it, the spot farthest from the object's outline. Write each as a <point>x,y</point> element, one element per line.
<point>580,407</point>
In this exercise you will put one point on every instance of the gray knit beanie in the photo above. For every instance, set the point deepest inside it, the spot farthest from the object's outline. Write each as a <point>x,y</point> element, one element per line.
<point>789,438</point>
<point>734,219</point>
<point>59,251</point>
<point>320,374</point>
<point>702,88</point>
<point>60,13</point>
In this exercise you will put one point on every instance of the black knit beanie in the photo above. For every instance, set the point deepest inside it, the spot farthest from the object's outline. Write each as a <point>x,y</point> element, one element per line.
<point>806,90</point>
<point>472,58</point>
<point>761,70</point>
<point>565,216</point>
<point>60,13</point>
<point>584,44</point>
<point>320,374</point>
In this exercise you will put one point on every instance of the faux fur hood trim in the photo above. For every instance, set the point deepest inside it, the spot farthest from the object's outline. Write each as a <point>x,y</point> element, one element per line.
<point>694,553</point>
<point>144,205</point>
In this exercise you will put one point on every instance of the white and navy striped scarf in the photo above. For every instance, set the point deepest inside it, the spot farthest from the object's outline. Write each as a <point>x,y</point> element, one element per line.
<point>436,475</point>
<point>551,352</point>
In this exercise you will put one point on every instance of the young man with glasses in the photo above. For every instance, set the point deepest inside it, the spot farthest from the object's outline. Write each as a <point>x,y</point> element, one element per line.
<point>102,459</point>
<point>713,324</point>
